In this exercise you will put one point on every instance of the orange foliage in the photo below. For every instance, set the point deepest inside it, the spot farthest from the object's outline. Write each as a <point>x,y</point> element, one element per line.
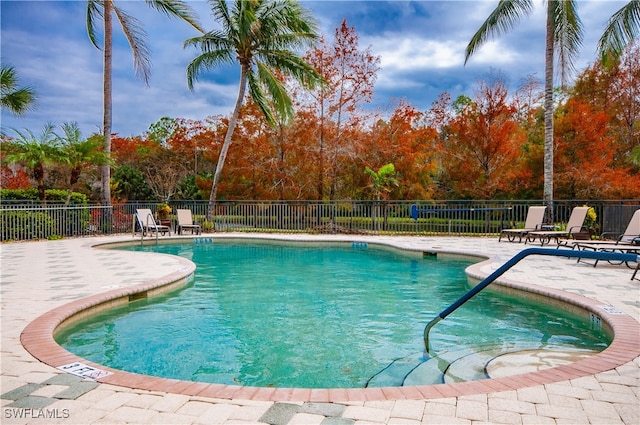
<point>126,150</point>
<point>405,142</point>
<point>481,148</point>
<point>14,179</point>
<point>584,159</point>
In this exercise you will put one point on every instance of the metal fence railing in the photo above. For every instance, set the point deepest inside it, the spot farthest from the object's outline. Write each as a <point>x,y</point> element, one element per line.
<point>30,221</point>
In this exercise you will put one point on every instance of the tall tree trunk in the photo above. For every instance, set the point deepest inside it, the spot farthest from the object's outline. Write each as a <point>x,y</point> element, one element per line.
<point>227,141</point>
<point>106,124</point>
<point>548,113</point>
<point>38,174</point>
<point>75,176</point>
<point>321,156</point>
<point>281,163</point>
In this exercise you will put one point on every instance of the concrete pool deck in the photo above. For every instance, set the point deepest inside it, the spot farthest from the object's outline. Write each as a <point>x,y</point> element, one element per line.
<point>38,277</point>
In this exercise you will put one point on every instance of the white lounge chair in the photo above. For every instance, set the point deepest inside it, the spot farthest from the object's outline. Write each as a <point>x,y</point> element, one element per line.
<point>535,216</point>
<point>185,221</point>
<point>574,226</point>
<point>631,233</point>
<point>148,224</point>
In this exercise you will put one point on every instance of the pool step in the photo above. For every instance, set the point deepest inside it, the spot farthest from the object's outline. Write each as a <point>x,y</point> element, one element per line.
<point>395,374</point>
<point>471,366</point>
<point>446,367</point>
<point>466,365</point>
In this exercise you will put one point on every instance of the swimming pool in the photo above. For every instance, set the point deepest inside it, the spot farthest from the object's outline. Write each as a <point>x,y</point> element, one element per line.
<point>320,316</point>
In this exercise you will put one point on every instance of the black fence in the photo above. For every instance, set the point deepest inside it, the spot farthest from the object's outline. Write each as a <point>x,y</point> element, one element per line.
<point>472,218</point>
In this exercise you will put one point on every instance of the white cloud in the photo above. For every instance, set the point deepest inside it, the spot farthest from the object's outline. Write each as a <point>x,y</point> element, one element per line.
<point>401,53</point>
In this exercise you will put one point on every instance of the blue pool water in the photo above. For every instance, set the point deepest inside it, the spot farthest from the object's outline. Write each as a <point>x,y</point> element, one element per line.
<point>319,316</point>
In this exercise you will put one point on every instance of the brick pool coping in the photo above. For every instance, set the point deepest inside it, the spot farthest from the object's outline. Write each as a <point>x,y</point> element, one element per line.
<point>38,340</point>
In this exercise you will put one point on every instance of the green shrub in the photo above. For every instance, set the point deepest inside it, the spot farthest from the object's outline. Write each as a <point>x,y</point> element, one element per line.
<point>19,194</point>
<point>59,195</point>
<point>25,225</point>
<point>52,195</point>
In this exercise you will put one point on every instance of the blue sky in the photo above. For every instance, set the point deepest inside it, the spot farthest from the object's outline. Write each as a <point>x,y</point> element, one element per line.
<point>420,43</point>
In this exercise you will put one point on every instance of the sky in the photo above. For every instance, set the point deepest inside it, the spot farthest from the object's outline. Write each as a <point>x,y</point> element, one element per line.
<point>421,47</point>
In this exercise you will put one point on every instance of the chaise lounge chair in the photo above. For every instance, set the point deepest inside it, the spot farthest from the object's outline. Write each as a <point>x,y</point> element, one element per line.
<point>574,226</point>
<point>185,221</point>
<point>631,248</point>
<point>533,222</point>
<point>631,233</point>
<point>148,224</point>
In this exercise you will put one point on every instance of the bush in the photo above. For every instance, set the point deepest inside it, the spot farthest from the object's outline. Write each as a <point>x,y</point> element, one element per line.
<point>52,195</point>
<point>58,195</point>
<point>24,225</point>
<point>19,194</point>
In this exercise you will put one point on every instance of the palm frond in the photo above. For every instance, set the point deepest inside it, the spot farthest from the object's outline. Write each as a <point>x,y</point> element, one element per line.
<point>23,137</point>
<point>622,28</point>
<point>8,78</point>
<point>206,61</point>
<point>137,38</point>
<point>294,66</point>
<point>94,12</point>
<point>214,40</point>
<point>635,155</point>
<point>257,95</point>
<point>221,14</point>
<point>277,91</point>
<point>72,133</point>
<point>288,16</point>
<point>46,136</point>
<point>501,20</point>
<point>286,25</point>
<point>568,34</point>
<point>17,100</point>
<point>291,41</point>
<point>176,9</point>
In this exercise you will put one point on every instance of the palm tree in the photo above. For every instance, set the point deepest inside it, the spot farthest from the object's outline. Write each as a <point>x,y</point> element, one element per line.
<point>34,152</point>
<point>78,153</point>
<point>17,100</point>
<point>262,36</point>
<point>635,156</point>
<point>563,39</point>
<point>381,182</point>
<point>136,36</point>
<point>623,27</point>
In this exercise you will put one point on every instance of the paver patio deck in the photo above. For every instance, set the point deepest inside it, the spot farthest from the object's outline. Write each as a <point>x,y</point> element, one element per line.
<point>40,277</point>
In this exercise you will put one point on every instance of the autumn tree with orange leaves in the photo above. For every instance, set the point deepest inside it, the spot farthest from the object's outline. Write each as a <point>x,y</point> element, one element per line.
<point>350,74</point>
<point>585,160</point>
<point>406,141</point>
<point>615,90</point>
<point>481,148</point>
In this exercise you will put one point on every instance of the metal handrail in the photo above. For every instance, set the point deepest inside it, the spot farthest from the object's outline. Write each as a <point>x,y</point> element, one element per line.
<point>142,230</point>
<point>154,225</point>
<point>595,255</point>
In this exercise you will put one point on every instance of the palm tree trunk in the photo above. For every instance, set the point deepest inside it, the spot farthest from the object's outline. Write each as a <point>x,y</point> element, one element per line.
<point>106,124</point>
<point>38,173</point>
<point>227,142</point>
<point>548,114</point>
